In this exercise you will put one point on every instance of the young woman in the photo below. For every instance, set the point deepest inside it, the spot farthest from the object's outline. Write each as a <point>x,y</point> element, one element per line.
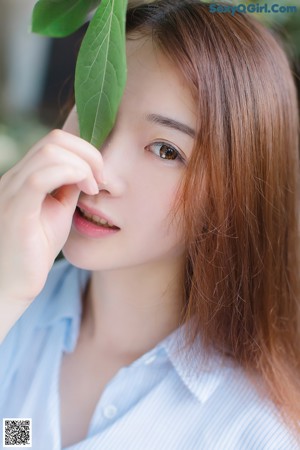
<point>173,321</point>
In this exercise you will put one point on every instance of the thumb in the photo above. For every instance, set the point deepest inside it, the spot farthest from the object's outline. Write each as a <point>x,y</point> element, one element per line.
<point>68,196</point>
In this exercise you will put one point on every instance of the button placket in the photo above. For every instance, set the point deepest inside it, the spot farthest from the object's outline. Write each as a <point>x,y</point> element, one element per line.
<point>110,411</point>
<point>105,408</point>
<point>150,359</point>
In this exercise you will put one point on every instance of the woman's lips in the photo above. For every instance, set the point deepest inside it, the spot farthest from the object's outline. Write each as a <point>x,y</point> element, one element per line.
<point>95,219</point>
<point>87,226</point>
<point>96,215</point>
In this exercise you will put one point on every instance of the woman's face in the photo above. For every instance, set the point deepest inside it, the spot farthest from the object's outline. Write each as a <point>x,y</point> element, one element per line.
<point>144,159</point>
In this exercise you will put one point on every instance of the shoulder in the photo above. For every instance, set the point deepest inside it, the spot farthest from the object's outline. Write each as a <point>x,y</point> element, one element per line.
<point>56,276</point>
<point>233,409</point>
<point>245,416</point>
<point>58,299</point>
<point>54,289</point>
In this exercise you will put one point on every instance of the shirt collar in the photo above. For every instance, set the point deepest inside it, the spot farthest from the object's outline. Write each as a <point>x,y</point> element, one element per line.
<point>64,288</point>
<point>200,373</point>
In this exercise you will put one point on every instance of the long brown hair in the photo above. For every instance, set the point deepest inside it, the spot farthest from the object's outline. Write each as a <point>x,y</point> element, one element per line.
<point>242,237</point>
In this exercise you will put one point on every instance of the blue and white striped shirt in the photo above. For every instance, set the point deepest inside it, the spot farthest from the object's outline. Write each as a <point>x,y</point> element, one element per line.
<point>159,402</point>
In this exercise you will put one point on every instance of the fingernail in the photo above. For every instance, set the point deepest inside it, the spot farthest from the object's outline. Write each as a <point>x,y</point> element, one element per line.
<point>93,187</point>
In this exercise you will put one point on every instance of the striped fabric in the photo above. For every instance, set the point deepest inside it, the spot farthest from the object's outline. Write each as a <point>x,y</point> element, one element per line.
<point>162,401</point>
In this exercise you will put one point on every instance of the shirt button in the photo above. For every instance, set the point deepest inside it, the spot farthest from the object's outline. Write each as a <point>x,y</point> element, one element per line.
<point>150,360</point>
<point>110,411</point>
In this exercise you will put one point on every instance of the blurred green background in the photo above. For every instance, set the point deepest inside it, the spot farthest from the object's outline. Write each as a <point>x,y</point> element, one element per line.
<point>37,73</point>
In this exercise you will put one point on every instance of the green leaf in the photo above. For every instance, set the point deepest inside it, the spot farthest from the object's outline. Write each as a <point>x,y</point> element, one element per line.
<point>59,18</point>
<point>100,75</point>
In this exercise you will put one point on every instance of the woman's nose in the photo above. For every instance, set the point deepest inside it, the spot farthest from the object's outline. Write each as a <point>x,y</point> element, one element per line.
<point>115,169</point>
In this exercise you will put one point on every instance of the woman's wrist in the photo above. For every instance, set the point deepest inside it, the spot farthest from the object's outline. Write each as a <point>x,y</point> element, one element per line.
<point>11,309</point>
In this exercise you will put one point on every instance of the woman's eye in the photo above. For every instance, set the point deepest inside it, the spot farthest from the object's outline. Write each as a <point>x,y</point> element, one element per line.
<point>164,151</point>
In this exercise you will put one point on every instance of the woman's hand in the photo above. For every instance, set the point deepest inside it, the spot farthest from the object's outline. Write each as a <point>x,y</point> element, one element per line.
<point>38,197</point>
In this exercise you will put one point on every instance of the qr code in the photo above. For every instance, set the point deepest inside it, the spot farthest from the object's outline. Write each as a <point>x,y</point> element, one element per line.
<point>17,432</point>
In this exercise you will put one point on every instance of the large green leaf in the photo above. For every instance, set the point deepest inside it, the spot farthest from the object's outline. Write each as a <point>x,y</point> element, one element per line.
<point>59,18</point>
<point>100,75</point>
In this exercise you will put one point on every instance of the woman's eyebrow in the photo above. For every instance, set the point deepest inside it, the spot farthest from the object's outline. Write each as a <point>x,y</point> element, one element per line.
<point>171,123</point>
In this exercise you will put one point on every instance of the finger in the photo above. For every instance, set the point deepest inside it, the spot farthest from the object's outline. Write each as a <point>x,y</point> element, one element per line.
<point>39,184</point>
<point>78,146</point>
<point>49,155</point>
<point>67,195</point>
